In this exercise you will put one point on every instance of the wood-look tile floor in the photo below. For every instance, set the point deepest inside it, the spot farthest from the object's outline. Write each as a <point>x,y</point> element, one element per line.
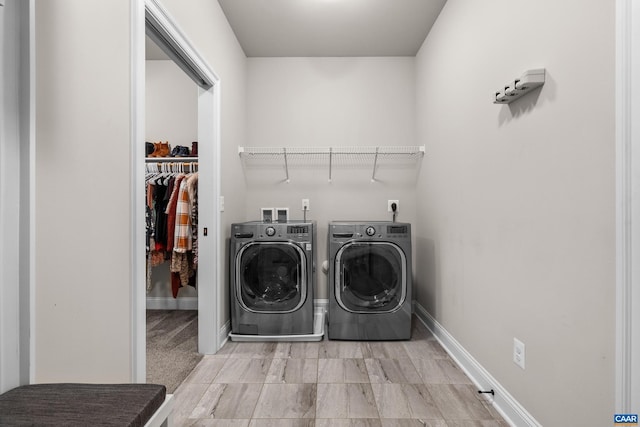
<point>332,384</point>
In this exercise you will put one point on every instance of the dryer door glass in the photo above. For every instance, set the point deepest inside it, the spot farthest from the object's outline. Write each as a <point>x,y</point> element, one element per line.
<point>370,277</point>
<point>271,277</point>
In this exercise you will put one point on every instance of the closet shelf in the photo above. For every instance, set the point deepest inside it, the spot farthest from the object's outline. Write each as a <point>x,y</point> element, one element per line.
<point>332,156</point>
<point>170,159</point>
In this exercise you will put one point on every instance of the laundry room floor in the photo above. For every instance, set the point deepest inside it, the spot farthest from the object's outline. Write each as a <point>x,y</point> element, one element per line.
<point>332,384</point>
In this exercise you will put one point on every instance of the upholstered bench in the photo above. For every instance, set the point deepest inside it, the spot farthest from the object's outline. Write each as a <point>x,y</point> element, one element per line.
<point>86,405</point>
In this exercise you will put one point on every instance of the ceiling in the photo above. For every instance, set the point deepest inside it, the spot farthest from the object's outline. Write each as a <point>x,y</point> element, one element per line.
<point>275,28</point>
<point>272,28</point>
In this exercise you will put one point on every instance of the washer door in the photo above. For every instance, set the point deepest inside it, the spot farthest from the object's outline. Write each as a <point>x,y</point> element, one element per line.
<point>271,277</point>
<point>370,277</point>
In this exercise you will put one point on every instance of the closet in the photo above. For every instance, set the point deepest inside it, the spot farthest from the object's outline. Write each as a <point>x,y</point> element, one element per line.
<point>171,117</point>
<point>171,220</point>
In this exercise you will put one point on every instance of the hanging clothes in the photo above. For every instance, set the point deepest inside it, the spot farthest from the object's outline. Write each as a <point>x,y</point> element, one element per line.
<point>171,212</point>
<point>192,188</point>
<point>182,256</point>
<point>171,220</point>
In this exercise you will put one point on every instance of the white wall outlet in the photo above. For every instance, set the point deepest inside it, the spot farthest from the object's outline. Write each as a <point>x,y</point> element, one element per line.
<point>390,202</point>
<point>281,214</point>
<point>305,204</point>
<point>518,352</point>
<point>221,204</point>
<point>267,214</point>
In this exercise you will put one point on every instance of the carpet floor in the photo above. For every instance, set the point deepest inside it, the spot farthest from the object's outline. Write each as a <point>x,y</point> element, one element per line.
<point>172,346</point>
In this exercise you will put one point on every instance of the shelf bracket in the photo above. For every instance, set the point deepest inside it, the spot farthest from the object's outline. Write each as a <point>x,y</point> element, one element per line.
<point>375,163</point>
<point>286,164</point>
<point>330,161</point>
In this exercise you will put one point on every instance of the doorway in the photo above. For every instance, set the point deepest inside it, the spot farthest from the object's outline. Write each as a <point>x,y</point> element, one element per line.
<point>171,173</point>
<point>151,19</point>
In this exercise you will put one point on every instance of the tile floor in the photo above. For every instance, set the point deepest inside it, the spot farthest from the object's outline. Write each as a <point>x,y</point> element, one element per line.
<point>332,384</point>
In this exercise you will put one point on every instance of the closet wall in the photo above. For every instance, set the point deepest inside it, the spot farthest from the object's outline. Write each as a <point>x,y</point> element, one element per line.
<point>518,201</point>
<point>171,115</point>
<point>323,102</point>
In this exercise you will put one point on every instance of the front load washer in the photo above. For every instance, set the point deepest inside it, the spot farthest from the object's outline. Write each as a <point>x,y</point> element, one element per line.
<point>369,281</point>
<point>272,277</point>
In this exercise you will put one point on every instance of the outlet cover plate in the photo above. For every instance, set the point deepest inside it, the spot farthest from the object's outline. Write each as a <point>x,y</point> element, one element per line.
<point>518,352</point>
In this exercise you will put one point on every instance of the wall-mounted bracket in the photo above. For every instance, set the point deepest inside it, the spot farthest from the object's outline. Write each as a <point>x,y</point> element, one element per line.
<point>375,163</point>
<point>286,164</point>
<point>529,81</point>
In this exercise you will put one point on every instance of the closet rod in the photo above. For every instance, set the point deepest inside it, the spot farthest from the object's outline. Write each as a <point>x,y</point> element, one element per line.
<point>174,163</point>
<point>173,167</point>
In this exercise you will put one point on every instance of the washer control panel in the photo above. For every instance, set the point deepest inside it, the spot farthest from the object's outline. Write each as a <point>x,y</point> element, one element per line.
<point>344,231</point>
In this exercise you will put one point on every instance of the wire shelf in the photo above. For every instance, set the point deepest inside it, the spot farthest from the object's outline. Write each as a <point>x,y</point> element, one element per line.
<point>364,156</point>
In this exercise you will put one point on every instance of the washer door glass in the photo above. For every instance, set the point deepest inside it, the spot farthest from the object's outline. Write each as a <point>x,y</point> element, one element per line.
<point>370,277</point>
<point>271,277</point>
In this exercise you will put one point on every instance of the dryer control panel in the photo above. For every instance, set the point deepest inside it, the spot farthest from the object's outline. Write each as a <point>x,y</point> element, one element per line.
<point>375,229</point>
<point>297,229</point>
<point>397,229</point>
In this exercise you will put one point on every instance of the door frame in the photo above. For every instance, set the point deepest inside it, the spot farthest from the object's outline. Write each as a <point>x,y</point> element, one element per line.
<point>209,178</point>
<point>627,81</point>
<point>17,190</point>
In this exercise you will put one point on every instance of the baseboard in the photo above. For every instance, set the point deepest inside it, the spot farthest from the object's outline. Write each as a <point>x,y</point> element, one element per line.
<point>167,303</point>
<point>512,411</point>
<point>224,334</point>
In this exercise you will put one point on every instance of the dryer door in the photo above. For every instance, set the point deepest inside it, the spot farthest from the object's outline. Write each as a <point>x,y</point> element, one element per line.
<point>370,277</point>
<point>271,277</point>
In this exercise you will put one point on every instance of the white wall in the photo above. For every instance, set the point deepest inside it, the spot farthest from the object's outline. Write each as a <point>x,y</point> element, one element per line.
<point>323,102</point>
<point>171,104</point>
<point>205,25</point>
<point>518,201</point>
<point>83,185</point>
<point>171,114</point>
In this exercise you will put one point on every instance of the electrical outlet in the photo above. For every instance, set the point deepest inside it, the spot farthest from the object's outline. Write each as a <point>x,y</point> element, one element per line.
<point>390,202</point>
<point>221,204</point>
<point>267,214</point>
<point>305,204</point>
<point>518,352</point>
<point>281,214</point>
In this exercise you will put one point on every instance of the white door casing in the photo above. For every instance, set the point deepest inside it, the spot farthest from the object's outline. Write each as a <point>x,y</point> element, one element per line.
<point>168,36</point>
<point>627,371</point>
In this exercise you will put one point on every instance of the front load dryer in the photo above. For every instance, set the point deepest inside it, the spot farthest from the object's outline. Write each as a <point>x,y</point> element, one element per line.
<point>369,281</point>
<point>272,277</point>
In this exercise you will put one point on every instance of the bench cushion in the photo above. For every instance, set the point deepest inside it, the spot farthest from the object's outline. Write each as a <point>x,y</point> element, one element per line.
<point>80,404</point>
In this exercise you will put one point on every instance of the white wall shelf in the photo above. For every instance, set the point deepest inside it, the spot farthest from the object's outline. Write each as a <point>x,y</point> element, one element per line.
<point>287,157</point>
